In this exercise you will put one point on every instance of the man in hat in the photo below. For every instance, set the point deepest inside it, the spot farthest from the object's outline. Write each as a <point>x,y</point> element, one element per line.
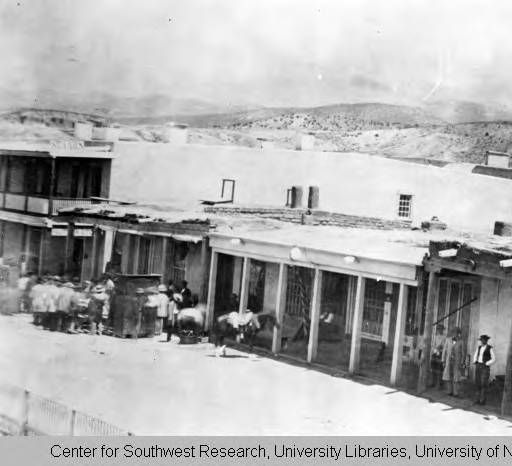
<point>162,312</point>
<point>453,360</point>
<point>96,309</point>
<point>186,295</point>
<point>63,305</point>
<point>484,358</point>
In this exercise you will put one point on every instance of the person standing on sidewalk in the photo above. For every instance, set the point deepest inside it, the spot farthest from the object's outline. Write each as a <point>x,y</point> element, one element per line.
<point>453,360</point>
<point>484,358</point>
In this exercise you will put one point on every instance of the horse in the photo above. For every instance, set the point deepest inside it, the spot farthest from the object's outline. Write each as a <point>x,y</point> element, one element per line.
<point>240,326</point>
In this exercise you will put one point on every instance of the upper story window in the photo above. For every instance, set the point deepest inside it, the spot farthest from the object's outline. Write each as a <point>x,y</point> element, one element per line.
<point>405,205</point>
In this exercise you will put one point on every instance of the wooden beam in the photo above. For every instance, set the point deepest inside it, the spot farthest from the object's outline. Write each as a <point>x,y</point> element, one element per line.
<point>435,264</point>
<point>282,283</point>
<point>396,364</point>
<point>315,316</point>
<point>432,291</point>
<point>244,287</point>
<point>357,320</point>
<point>212,282</point>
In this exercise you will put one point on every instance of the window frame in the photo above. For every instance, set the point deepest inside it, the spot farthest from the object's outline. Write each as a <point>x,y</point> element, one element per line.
<point>410,196</point>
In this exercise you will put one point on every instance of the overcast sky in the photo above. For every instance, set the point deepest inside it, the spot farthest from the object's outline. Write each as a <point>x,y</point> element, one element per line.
<point>268,52</point>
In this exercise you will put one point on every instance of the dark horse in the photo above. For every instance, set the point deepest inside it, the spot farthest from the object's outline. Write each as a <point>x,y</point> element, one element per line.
<point>240,326</point>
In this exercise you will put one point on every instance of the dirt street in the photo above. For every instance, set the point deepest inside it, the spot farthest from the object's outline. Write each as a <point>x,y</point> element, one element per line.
<point>151,387</point>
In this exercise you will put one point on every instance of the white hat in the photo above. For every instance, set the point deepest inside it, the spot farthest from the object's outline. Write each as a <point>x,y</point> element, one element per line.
<point>162,288</point>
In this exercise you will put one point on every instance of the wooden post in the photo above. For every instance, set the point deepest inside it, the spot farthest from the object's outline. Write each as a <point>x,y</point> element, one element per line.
<point>506,401</point>
<point>280,307</point>
<point>125,254</point>
<point>315,316</point>
<point>163,265</point>
<point>357,320</point>
<point>108,245</point>
<point>136,251</point>
<point>26,249</point>
<point>24,413</point>
<point>2,237</point>
<point>69,246</point>
<point>244,291</point>
<point>42,250</point>
<point>212,281</point>
<point>396,364</point>
<point>94,251</point>
<point>433,286</point>
<point>72,418</point>
<point>203,288</point>
<point>53,186</point>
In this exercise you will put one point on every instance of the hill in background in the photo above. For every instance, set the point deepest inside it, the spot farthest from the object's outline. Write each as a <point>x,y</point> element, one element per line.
<point>436,131</point>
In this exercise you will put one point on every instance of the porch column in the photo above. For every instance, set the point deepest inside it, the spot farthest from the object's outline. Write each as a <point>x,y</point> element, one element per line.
<point>163,265</point>
<point>244,290</point>
<point>26,249</point>
<point>2,236</point>
<point>53,186</point>
<point>125,254</point>
<point>42,250</point>
<point>433,287</point>
<point>69,246</point>
<point>315,316</point>
<point>396,364</point>
<point>108,244</point>
<point>506,401</point>
<point>212,281</point>
<point>94,251</point>
<point>357,320</point>
<point>280,307</point>
<point>136,250</point>
<point>203,289</point>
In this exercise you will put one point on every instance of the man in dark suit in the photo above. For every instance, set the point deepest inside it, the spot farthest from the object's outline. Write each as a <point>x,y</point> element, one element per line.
<point>484,358</point>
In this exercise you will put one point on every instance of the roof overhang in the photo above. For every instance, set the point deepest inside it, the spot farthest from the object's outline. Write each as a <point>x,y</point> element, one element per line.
<point>459,257</point>
<point>307,256</point>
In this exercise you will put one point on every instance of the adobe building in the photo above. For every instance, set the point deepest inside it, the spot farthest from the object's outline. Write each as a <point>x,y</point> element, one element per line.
<point>35,183</point>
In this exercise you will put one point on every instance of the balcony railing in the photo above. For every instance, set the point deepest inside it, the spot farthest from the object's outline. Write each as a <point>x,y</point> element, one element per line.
<point>40,205</point>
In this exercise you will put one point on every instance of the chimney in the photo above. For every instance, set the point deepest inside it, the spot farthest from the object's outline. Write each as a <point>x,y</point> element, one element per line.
<point>296,197</point>
<point>106,133</point>
<point>313,197</point>
<point>497,159</point>
<point>175,134</point>
<point>502,229</point>
<point>305,141</point>
<point>83,130</point>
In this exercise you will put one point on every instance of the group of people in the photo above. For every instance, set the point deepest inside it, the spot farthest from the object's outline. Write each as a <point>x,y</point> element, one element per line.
<point>448,364</point>
<point>64,304</point>
<point>68,305</point>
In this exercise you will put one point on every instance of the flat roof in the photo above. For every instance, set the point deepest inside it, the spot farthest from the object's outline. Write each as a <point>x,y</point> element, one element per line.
<point>48,151</point>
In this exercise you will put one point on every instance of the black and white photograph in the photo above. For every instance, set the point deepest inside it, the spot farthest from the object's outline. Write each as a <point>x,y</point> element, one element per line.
<point>255,218</point>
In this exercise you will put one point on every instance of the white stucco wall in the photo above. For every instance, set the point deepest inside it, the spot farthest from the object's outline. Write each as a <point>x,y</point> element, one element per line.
<point>349,183</point>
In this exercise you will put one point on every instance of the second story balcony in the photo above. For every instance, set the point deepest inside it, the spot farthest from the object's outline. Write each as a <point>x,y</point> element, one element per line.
<point>41,182</point>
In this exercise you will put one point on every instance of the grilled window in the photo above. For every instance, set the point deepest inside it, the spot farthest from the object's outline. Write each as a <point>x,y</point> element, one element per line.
<point>405,206</point>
